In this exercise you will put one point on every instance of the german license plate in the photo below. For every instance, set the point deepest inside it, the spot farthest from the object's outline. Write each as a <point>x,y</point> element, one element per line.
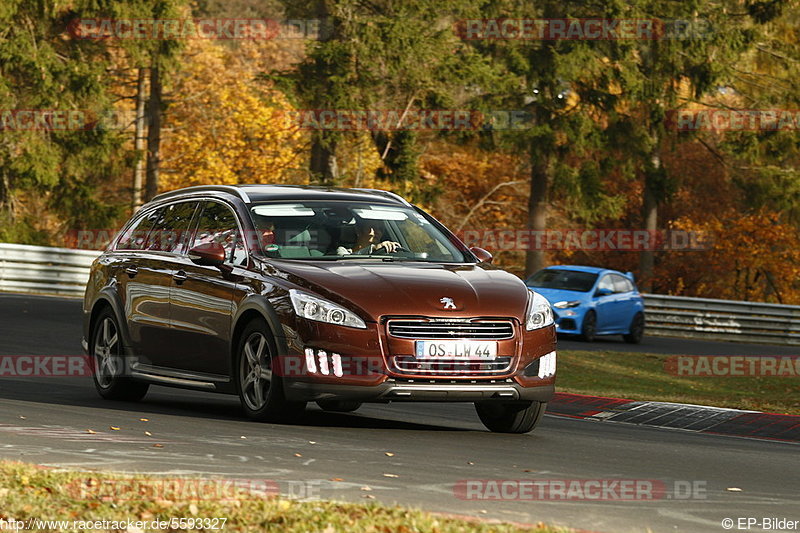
<point>456,350</point>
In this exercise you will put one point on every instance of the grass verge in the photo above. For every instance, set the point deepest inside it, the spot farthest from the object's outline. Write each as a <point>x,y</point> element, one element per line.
<point>30,492</point>
<point>639,376</point>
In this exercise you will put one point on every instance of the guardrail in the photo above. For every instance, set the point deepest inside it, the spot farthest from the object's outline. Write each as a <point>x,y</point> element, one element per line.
<point>64,271</point>
<point>727,320</point>
<point>41,269</point>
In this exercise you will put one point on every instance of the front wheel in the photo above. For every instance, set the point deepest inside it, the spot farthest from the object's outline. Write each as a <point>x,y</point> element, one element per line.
<point>260,390</point>
<point>636,331</point>
<point>510,417</point>
<point>108,362</point>
<point>589,326</point>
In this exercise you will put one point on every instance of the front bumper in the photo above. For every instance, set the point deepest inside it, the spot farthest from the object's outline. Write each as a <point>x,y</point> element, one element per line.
<point>398,391</point>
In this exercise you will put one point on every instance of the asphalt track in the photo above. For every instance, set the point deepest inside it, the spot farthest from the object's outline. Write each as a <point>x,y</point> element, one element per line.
<point>434,446</point>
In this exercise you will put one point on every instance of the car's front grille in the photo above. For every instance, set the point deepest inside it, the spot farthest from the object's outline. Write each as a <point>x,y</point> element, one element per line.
<point>451,367</point>
<point>451,329</point>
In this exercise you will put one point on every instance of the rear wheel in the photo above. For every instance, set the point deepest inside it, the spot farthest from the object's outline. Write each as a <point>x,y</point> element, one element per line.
<point>260,390</point>
<point>510,417</point>
<point>108,362</point>
<point>589,326</point>
<point>339,406</point>
<point>636,331</point>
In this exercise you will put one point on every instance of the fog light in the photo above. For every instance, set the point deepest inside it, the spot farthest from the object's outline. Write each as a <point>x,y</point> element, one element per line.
<point>547,365</point>
<point>323,362</point>
<point>311,363</point>
<point>336,359</point>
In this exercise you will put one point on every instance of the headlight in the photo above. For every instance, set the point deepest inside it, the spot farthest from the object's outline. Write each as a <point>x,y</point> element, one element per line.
<point>321,310</point>
<point>565,304</point>
<point>539,312</point>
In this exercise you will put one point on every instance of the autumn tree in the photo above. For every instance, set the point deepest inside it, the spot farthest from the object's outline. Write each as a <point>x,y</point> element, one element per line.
<point>223,126</point>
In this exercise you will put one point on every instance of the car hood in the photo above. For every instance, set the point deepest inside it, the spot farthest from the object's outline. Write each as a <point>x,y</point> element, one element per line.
<point>381,289</point>
<point>560,295</point>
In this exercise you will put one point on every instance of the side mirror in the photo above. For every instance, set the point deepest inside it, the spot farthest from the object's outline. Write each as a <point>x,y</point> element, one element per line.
<point>482,255</point>
<point>603,292</point>
<point>208,254</point>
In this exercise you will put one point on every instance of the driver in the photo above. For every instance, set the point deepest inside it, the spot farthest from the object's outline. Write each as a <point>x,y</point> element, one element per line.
<point>368,240</point>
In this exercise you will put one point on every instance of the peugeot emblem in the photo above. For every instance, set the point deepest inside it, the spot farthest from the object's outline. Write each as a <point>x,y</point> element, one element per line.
<point>448,303</point>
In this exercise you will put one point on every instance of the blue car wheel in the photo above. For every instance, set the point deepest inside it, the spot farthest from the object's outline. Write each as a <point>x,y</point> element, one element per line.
<point>636,331</point>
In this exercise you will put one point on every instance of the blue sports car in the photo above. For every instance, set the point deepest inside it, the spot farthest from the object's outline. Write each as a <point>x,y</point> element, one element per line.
<point>590,301</point>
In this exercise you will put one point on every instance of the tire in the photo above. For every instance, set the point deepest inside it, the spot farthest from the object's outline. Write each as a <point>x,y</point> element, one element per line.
<point>339,406</point>
<point>261,392</point>
<point>636,331</point>
<point>108,361</point>
<point>589,326</point>
<point>510,417</point>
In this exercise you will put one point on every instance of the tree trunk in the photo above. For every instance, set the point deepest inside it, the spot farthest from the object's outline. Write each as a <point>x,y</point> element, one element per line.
<point>323,167</point>
<point>154,111</point>
<point>537,212</point>
<point>650,219</point>
<point>139,142</point>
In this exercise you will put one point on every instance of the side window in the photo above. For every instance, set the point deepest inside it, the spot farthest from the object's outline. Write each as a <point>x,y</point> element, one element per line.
<point>619,283</point>
<point>622,284</point>
<point>135,237</point>
<point>606,283</point>
<point>217,223</point>
<point>170,231</point>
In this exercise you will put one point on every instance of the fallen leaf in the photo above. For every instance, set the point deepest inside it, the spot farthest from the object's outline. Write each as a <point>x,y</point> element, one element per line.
<point>113,428</point>
<point>389,454</point>
<point>148,433</point>
<point>242,437</point>
<point>91,432</point>
<point>370,496</point>
<point>158,445</point>
<point>144,420</point>
<point>335,479</point>
<point>366,488</point>
<point>312,442</point>
<point>22,418</point>
<point>390,475</point>
<point>470,463</point>
<point>284,505</point>
<point>483,511</point>
<point>734,489</point>
<point>298,455</point>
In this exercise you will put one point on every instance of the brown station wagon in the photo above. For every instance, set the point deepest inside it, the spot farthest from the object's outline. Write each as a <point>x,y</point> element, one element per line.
<point>286,295</point>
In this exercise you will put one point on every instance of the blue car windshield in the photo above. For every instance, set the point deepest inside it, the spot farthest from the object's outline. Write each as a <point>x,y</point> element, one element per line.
<point>568,280</point>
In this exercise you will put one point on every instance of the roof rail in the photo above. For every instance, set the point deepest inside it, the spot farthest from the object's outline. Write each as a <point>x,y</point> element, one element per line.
<point>200,188</point>
<point>386,193</point>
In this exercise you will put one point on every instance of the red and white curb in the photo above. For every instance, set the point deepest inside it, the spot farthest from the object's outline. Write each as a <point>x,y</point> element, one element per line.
<point>698,418</point>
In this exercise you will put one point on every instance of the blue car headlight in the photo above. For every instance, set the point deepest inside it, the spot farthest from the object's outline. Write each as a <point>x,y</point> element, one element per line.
<point>565,305</point>
<point>540,314</point>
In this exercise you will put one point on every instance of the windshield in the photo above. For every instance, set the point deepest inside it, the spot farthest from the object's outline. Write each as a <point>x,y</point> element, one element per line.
<point>339,231</point>
<point>568,280</point>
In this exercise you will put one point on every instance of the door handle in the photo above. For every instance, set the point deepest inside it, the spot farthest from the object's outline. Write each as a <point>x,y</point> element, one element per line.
<point>131,270</point>
<point>179,276</point>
